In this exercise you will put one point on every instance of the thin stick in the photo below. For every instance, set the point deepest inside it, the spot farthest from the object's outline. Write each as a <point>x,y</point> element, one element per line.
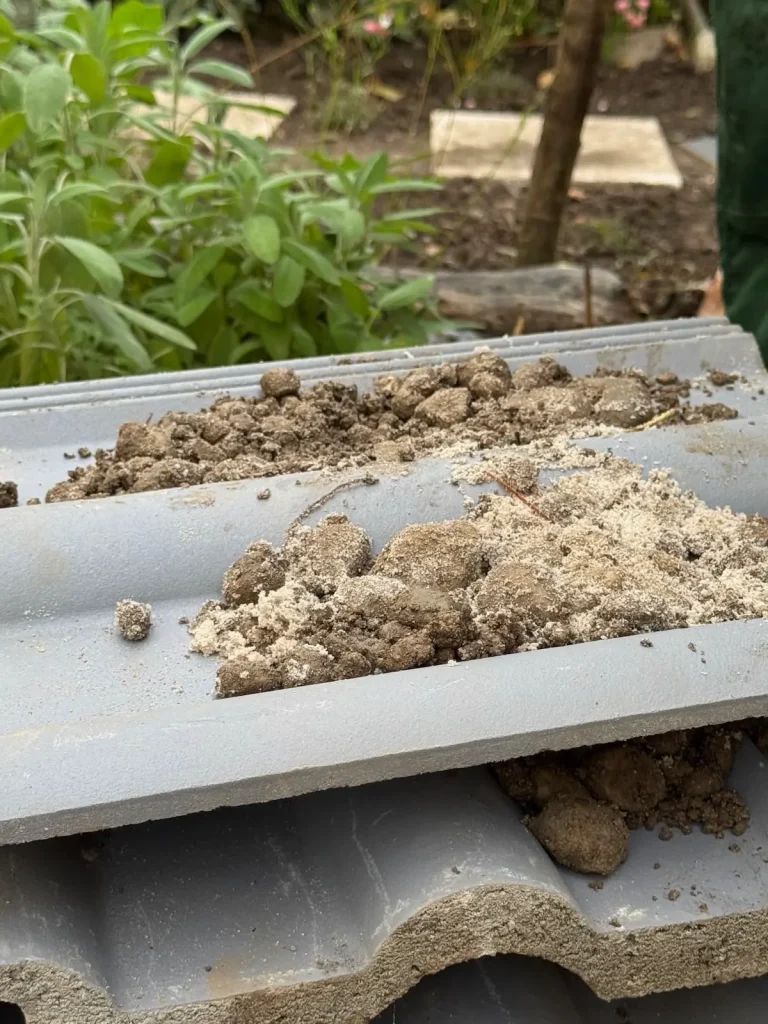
<point>368,480</point>
<point>589,320</point>
<point>516,494</point>
<point>656,420</point>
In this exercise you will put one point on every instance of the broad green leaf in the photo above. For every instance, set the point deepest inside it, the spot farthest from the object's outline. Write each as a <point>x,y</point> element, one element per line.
<point>63,37</point>
<point>154,326</point>
<point>224,70</point>
<point>409,215</point>
<point>203,188</point>
<point>203,37</point>
<point>75,189</point>
<point>195,272</point>
<point>355,298</point>
<point>141,94</point>
<point>373,172</point>
<point>117,332</point>
<point>406,294</point>
<point>276,340</point>
<point>191,310</point>
<point>169,161</point>
<point>353,227</point>
<point>102,267</point>
<point>262,236</point>
<point>90,76</point>
<point>405,185</point>
<point>12,126</point>
<point>11,89</point>
<point>136,14</point>
<point>46,91</point>
<point>314,261</point>
<point>288,281</point>
<point>302,342</point>
<point>258,301</point>
<point>141,262</point>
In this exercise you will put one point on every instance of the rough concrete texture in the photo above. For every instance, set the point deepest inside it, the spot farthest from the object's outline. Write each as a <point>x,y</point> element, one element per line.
<point>478,144</point>
<point>325,909</point>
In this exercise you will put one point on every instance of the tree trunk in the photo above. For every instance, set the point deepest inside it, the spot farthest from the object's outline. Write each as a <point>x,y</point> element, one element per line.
<point>578,57</point>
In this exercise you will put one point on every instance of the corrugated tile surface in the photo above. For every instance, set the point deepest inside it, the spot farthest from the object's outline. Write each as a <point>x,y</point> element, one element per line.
<point>325,909</point>
<point>143,714</point>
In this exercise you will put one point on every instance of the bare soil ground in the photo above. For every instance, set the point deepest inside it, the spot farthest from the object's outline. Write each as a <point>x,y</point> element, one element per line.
<point>662,243</point>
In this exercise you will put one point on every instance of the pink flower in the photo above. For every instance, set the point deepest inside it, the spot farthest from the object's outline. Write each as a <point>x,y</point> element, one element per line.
<point>373,27</point>
<point>622,5</point>
<point>643,4</point>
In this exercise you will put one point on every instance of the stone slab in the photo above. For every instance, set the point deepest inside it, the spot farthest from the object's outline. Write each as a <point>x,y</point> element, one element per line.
<point>614,150</point>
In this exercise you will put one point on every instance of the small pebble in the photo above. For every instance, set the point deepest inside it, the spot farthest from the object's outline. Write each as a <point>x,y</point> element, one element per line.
<point>34,501</point>
<point>83,452</point>
<point>646,643</point>
<point>703,908</point>
<point>734,848</point>
<point>673,894</point>
<point>264,494</point>
<point>597,886</point>
<point>656,866</point>
<point>665,834</point>
<point>133,619</point>
<point>69,455</point>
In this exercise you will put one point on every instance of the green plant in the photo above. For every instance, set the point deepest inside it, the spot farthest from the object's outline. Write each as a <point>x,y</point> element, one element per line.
<point>128,246</point>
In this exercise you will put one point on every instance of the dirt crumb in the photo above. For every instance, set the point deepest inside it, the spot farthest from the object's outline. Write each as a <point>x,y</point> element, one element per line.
<point>258,571</point>
<point>582,835</point>
<point>645,782</point>
<point>280,383</point>
<point>9,494</point>
<point>479,404</point>
<point>133,619</point>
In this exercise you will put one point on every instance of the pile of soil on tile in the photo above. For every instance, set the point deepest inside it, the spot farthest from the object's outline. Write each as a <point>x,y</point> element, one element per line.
<point>582,803</point>
<point>293,429</point>
<point>601,553</point>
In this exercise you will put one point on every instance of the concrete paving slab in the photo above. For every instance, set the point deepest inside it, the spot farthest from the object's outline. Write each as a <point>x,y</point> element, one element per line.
<point>614,150</point>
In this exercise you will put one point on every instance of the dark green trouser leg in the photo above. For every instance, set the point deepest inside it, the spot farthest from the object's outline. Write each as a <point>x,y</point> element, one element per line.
<point>741,27</point>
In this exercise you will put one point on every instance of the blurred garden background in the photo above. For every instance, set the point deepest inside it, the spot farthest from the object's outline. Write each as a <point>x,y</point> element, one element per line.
<point>210,183</point>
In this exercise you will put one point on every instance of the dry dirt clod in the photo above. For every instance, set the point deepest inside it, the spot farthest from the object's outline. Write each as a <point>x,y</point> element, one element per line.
<point>626,777</point>
<point>323,555</point>
<point>280,383</point>
<point>258,571</point>
<point>447,556</point>
<point>133,619</point>
<point>582,835</point>
<point>478,403</point>
<point>9,494</point>
<point>246,674</point>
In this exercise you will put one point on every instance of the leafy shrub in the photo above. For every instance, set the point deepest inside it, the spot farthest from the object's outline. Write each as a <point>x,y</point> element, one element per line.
<point>129,243</point>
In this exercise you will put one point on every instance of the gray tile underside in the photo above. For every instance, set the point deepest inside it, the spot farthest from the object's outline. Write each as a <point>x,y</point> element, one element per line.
<point>279,906</point>
<point>144,715</point>
<point>523,990</point>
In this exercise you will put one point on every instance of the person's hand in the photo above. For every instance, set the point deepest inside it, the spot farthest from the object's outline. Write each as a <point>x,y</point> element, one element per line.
<point>712,303</point>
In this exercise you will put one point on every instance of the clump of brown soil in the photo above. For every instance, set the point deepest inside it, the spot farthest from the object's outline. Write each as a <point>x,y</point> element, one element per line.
<point>479,402</point>
<point>133,620</point>
<point>580,804</point>
<point>9,494</point>
<point>601,553</point>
